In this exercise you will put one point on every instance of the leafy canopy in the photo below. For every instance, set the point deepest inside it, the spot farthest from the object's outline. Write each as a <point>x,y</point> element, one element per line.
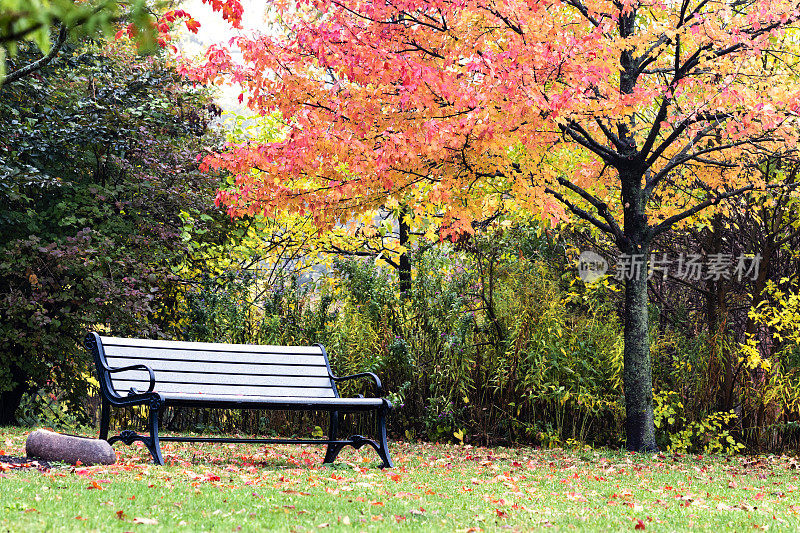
<point>545,106</point>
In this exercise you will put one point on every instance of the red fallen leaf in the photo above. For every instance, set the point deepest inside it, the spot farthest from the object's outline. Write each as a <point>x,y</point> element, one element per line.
<point>639,524</point>
<point>376,503</point>
<point>501,513</point>
<point>121,514</point>
<point>396,477</point>
<point>759,496</point>
<point>83,471</point>
<point>398,517</point>
<point>79,517</point>
<point>94,485</point>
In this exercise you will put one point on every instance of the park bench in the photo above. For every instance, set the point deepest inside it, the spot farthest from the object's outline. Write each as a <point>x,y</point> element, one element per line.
<point>161,373</point>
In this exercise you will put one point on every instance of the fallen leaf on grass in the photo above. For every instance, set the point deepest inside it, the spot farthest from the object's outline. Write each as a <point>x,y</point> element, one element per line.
<point>639,525</point>
<point>146,521</point>
<point>291,491</point>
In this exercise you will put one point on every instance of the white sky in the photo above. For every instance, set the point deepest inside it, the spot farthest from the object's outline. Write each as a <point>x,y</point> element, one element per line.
<point>214,30</point>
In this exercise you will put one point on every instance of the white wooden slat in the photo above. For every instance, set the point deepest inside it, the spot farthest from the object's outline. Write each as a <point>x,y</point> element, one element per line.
<point>210,346</point>
<point>223,379</point>
<point>123,386</point>
<point>213,356</point>
<point>303,402</point>
<point>222,368</point>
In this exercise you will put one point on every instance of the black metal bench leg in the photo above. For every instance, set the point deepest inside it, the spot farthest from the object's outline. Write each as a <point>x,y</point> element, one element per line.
<point>152,443</point>
<point>333,449</point>
<point>105,418</point>
<point>383,449</point>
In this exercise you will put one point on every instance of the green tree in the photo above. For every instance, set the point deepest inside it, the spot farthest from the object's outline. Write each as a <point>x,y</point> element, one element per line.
<point>97,162</point>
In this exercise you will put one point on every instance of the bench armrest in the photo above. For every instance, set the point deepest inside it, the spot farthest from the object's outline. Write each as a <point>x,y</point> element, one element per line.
<point>137,367</point>
<point>378,386</point>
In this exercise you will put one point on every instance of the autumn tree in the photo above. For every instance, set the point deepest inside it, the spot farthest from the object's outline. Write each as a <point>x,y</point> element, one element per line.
<point>634,116</point>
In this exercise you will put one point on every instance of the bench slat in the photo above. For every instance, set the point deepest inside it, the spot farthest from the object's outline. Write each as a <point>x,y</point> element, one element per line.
<point>214,356</point>
<point>222,368</point>
<point>208,400</point>
<point>122,387</point>
<point>202,378</point>
<point>210,346</point>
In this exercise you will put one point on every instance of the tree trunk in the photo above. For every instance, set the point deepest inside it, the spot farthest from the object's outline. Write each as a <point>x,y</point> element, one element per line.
<point>637,376</point>
<point>404,270</point>
<point>10,399</point>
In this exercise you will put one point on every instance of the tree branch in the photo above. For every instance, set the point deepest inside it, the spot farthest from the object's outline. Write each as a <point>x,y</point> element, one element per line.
<point>601,207</point>
<point>668,223</point>
<point>582,137</point>
<point>39,63</point>
<point>580,212</point>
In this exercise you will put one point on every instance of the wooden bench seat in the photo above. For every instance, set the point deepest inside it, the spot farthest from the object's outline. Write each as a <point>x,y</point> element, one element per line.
<point>161,373</point>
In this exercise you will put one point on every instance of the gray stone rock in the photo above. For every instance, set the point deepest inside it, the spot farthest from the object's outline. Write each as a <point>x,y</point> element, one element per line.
<point>69,449</point>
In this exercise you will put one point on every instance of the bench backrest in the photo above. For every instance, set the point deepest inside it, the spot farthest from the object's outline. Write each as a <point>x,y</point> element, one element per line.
<point>211,368</point>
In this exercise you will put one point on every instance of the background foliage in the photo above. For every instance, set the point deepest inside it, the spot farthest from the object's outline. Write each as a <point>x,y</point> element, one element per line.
<point>97,161</point>
<point>108,224</point>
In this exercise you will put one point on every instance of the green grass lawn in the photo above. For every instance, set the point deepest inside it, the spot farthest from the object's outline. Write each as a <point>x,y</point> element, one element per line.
<point>432,488</point>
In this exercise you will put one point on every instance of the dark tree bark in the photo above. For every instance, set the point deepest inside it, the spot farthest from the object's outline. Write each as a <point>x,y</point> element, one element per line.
<point>637,375</point>
<point>404,263</point>
<point>10,399</point>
